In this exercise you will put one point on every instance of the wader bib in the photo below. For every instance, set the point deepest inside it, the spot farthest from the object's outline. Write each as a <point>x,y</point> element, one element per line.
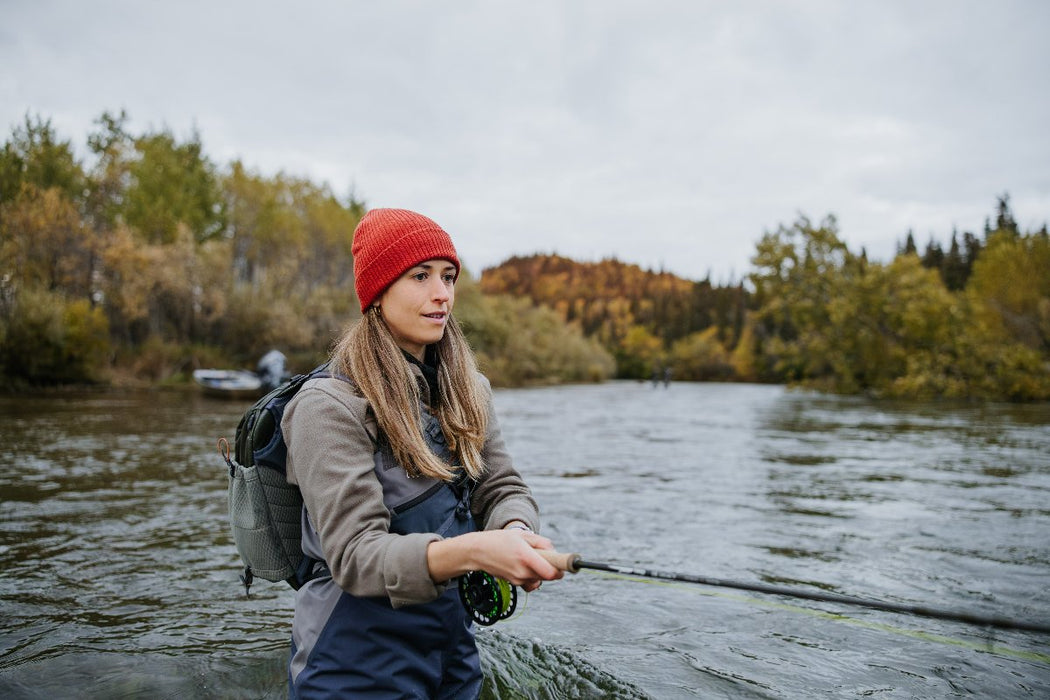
<point>352,647</point>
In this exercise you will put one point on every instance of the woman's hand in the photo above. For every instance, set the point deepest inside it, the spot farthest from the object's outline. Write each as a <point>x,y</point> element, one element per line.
<point>509,554</point>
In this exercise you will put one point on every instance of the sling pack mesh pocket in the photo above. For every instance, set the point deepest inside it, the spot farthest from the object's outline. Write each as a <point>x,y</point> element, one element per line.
<point>265,510</point>
<point>265,513</point>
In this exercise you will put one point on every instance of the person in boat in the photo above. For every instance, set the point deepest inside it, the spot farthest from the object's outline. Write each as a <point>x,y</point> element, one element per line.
<point>272,369</point>
<point>406,481</point>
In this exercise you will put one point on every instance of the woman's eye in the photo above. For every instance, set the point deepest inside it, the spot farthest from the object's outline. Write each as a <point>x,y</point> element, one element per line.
<point>450,278</point>
<point>419,276</point>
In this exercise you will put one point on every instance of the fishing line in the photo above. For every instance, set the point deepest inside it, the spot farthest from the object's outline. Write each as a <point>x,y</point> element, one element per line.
<point>489,599</point>
<point>987,646</point>
<point>572,563</point>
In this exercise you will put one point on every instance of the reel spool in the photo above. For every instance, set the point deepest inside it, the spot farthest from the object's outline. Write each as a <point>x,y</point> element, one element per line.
<point>488,599</point>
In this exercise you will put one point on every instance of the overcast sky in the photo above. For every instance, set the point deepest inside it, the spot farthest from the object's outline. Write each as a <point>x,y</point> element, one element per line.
<point>667,134</point>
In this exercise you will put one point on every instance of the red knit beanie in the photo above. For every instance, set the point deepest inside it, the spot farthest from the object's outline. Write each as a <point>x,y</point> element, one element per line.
<point>389,241</point>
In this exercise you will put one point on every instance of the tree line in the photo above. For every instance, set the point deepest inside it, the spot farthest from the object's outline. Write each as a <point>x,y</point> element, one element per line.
<point>648,320</point>
<point>828,317</point>
<point>970,323</point>
<point>146,260</point>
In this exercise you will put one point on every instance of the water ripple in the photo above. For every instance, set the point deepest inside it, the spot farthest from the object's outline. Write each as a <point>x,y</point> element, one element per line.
<point>121,576</point>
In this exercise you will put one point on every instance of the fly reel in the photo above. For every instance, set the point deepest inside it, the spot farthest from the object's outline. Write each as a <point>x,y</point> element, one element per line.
<point>488,599</point>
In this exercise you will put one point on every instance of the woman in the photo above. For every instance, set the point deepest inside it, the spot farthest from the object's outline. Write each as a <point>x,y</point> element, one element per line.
<point>406,484</point>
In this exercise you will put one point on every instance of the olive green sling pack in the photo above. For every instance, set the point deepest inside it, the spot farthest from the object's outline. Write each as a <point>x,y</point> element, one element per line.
<point>265,510</point>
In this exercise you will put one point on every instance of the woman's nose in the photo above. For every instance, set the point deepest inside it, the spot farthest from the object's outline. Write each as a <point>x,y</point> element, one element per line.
<point>439,289</point>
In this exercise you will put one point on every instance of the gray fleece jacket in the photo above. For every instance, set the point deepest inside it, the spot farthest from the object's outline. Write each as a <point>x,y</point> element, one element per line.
<point>330,436</point>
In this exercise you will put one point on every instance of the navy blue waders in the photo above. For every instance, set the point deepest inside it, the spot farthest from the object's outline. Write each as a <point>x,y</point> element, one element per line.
<point>345,646</point>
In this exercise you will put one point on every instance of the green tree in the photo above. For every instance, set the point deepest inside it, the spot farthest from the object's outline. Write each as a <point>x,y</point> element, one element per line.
<point>109,177</point>
<point>172,184</point>
<point>933,258</point>
<point>954,269</point>
<point>46,339</point>
<point>292,269</point>
<point>1010,289</point>
<point>890,322</point>
<point>34,155</point>
<point>701,356</point>
<point>1004,218</point>
<point>744,357</point>
<point>798,272</point>
<point>638,354</point>
<point>909,247</point>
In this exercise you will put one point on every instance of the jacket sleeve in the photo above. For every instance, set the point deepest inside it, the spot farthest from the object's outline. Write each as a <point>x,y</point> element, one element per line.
<point>501,494</point>
<point>330,458</point>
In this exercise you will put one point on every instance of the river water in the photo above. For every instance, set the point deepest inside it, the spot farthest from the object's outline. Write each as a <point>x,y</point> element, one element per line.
<point>119,576</point>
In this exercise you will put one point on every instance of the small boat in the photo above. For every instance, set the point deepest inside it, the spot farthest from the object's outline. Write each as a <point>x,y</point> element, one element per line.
<point>244,384</point>
<point>229,383</point>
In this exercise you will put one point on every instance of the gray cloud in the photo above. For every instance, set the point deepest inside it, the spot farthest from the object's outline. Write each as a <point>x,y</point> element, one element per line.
<point>668,134</point>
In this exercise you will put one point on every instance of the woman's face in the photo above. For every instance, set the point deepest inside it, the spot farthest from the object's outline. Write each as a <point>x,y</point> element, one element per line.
<point>416,307</point>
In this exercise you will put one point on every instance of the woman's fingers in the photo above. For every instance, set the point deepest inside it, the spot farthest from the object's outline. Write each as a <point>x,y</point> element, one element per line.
<point>514,557</point>
<point>541,568</point>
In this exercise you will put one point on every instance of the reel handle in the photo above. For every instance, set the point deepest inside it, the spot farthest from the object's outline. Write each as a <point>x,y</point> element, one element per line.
<point>561,560</point>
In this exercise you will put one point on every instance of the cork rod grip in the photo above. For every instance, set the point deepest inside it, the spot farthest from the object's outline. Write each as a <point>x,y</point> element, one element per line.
<point>560,560</point>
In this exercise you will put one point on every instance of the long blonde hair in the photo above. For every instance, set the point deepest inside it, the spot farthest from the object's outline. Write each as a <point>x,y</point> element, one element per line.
<point>368,354</point>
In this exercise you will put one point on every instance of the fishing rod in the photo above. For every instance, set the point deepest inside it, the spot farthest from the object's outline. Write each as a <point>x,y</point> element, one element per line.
<point>573,563</point>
